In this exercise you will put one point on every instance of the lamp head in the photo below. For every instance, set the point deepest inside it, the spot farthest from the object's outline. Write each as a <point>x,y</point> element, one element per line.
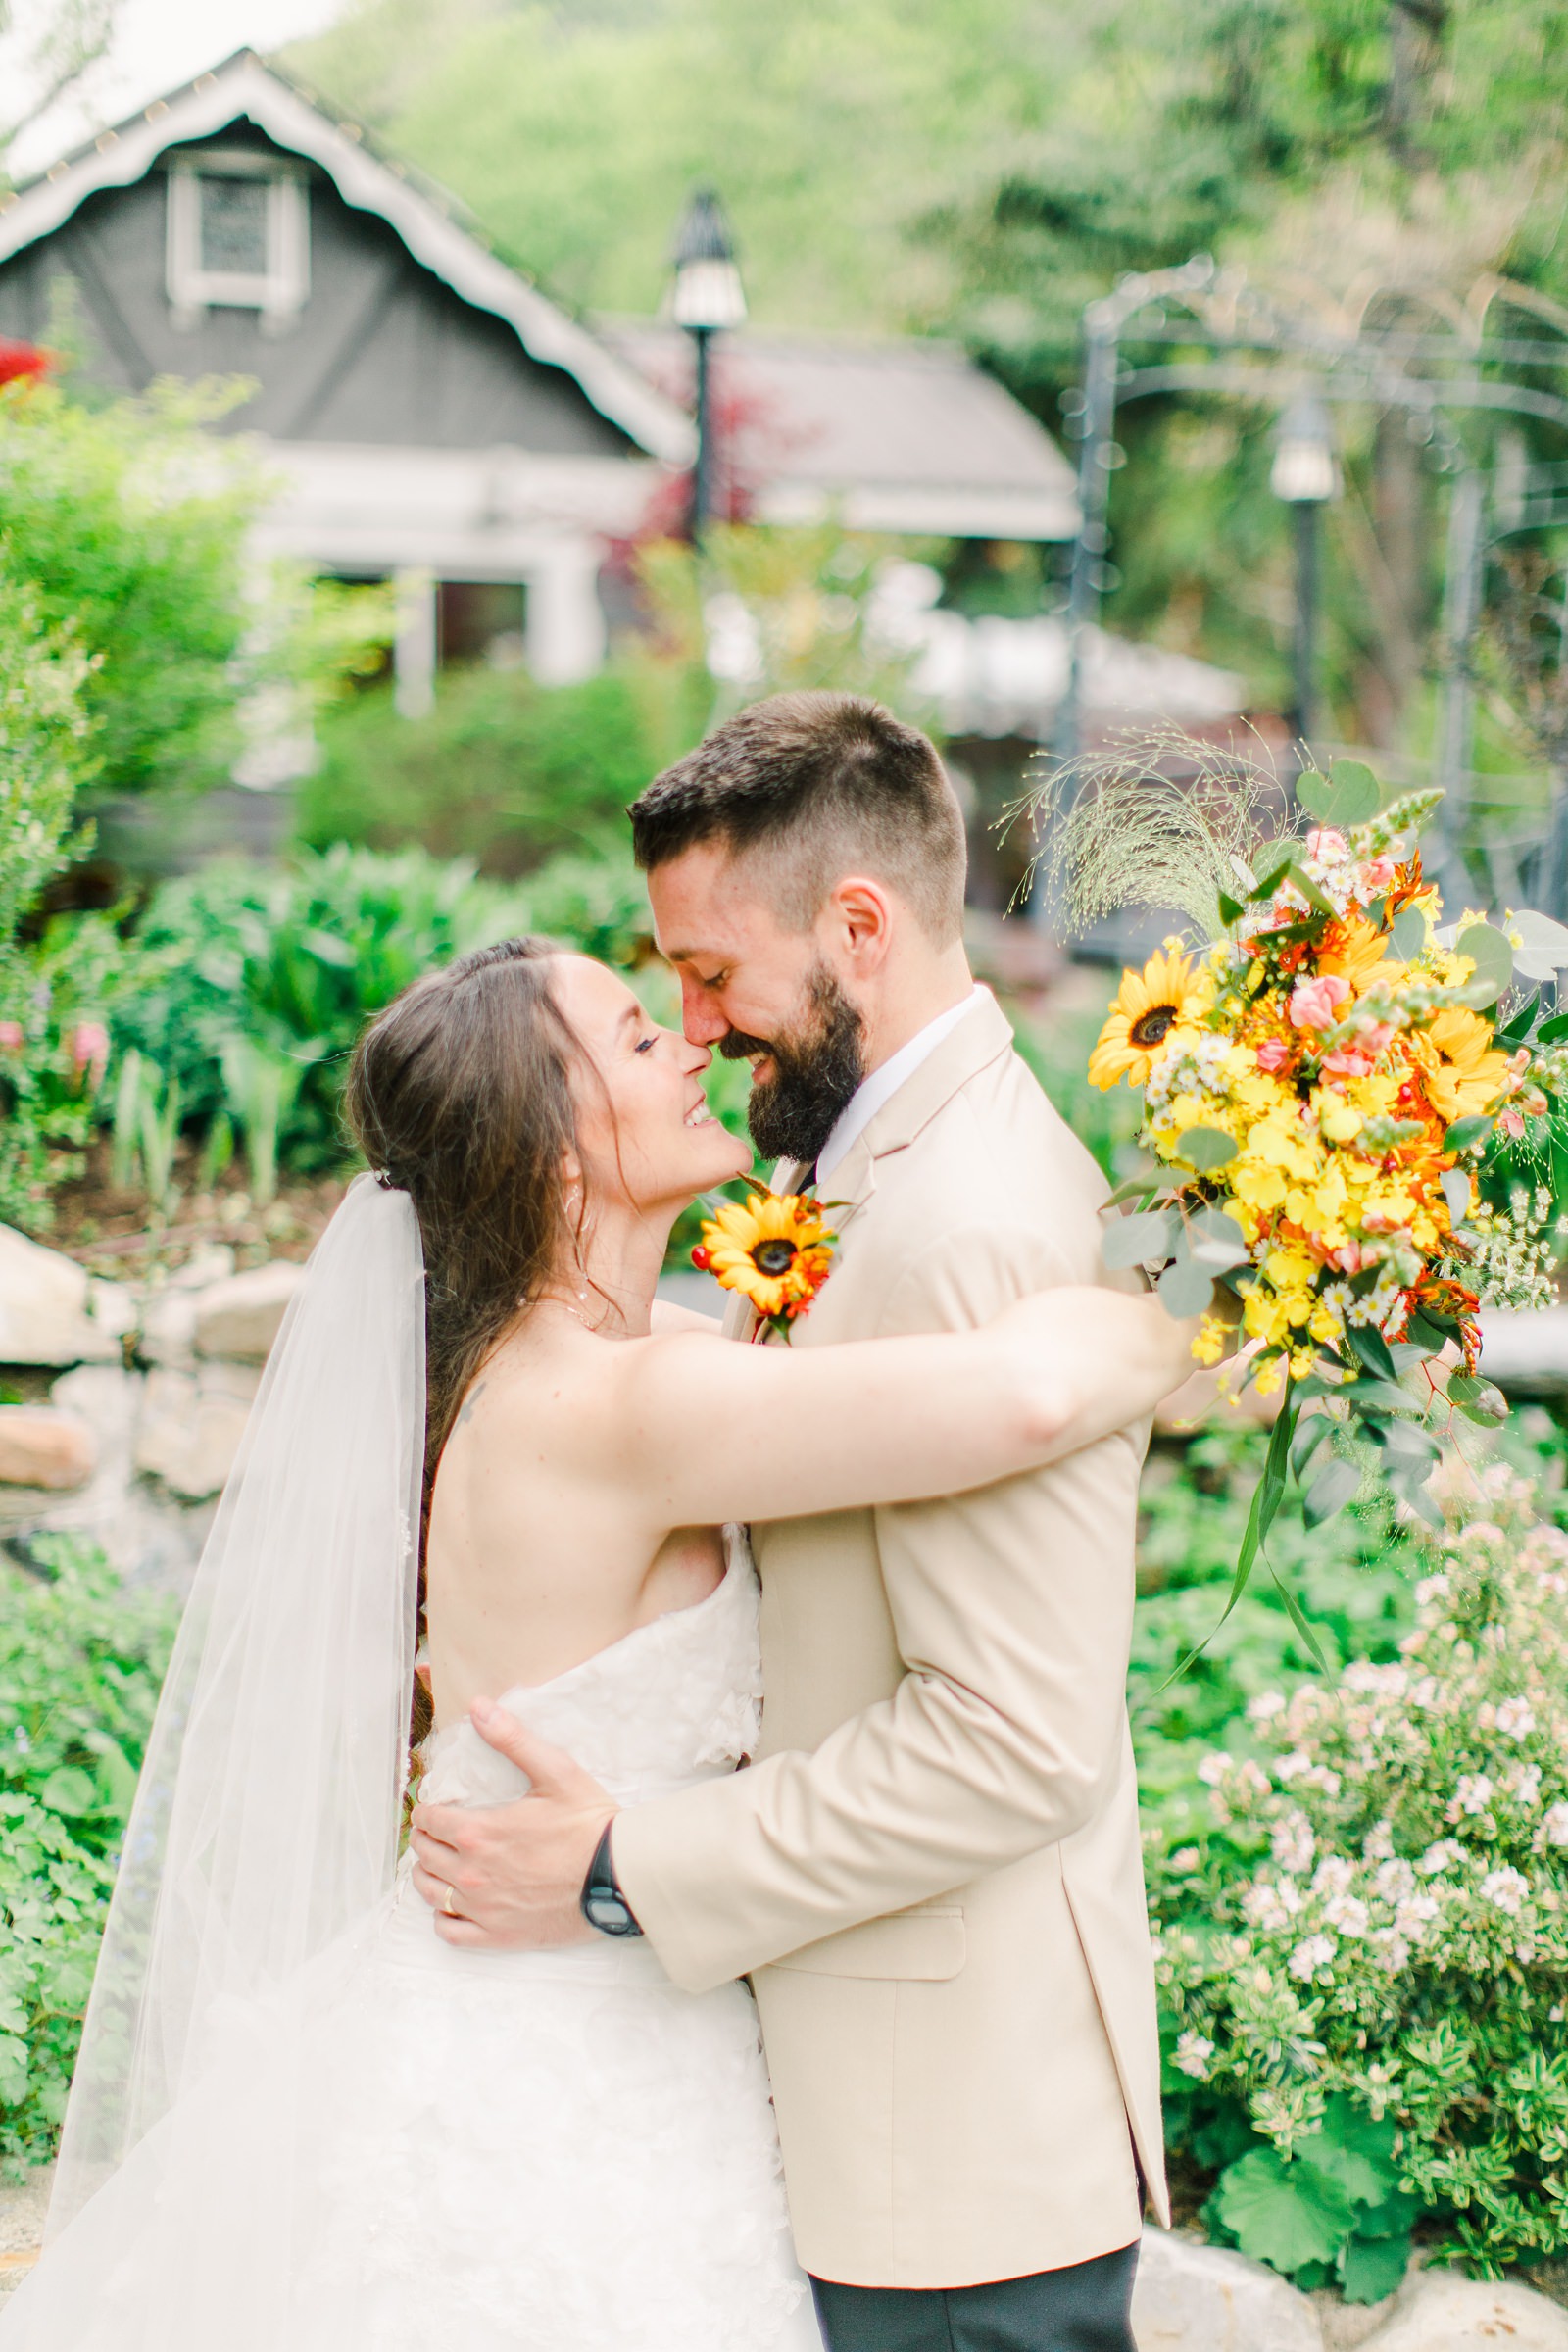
<point>1305,470</point>
<point>708,294</point>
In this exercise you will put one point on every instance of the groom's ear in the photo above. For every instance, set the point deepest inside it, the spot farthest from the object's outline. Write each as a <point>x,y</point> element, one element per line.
<point>858,918</point>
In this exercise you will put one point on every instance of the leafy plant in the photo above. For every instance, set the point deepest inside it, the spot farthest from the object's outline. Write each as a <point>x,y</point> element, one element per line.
<point>1366,1960</point>
<point>81,1661</point>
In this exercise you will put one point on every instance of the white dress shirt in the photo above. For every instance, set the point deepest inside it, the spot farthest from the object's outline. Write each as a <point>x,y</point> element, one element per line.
<point>884,1081</point>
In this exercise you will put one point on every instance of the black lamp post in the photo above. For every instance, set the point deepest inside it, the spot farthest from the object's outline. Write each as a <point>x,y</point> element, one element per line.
<point>1305,476</point>
<point>708,297</point>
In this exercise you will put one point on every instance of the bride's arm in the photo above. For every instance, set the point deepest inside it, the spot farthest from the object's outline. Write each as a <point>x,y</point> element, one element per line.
<point>703,1432</point>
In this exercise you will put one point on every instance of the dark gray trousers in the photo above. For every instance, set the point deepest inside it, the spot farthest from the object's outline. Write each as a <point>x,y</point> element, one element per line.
<point>1086,2308</point>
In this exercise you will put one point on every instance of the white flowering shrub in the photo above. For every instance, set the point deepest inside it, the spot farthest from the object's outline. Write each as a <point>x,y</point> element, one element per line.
<point>1365,1969</point>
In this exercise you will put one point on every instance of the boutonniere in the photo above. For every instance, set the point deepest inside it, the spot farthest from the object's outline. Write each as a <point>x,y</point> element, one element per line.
<point>775,1249</point>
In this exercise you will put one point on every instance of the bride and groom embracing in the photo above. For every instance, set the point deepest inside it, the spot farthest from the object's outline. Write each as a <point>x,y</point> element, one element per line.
<point>508,2093</point>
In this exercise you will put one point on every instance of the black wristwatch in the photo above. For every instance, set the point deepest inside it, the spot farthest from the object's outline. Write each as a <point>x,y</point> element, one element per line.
<point>604,1906</point>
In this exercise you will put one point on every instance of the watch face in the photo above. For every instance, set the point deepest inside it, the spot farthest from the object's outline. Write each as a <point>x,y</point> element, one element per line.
<point>608,1912</point>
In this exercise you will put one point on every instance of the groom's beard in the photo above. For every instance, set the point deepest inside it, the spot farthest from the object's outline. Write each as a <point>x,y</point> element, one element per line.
<point>818,1068</point>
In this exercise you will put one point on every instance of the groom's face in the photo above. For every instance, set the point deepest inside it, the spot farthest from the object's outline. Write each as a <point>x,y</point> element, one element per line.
<point>756,991</point>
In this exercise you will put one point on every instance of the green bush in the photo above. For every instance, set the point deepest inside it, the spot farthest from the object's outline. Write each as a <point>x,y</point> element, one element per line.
<point>80,1665</point>
<point>1365,1961</point>
<point>128,525</point>
<point>502,771</point>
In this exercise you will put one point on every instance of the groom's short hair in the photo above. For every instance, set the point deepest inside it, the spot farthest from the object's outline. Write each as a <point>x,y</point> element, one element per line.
<point>818,786</point>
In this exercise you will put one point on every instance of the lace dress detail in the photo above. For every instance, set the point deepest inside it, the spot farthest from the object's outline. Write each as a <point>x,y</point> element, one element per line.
<point>507,2152</point>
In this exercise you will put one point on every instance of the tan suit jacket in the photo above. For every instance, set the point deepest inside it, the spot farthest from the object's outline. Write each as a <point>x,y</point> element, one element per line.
<point>931,1872</point>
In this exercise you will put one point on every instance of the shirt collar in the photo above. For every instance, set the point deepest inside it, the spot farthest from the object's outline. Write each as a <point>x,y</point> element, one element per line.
<point>884,1081</point>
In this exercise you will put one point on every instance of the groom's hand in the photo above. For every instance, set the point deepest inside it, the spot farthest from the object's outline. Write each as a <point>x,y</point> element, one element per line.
<point>508,1877</point>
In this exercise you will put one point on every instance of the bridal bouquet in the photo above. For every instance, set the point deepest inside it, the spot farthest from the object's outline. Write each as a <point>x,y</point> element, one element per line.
<point>1326,1085</point>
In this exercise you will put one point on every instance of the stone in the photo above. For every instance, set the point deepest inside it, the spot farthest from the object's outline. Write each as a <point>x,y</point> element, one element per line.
<point>192,1425</point>
<point>240,1317</point>
<point>41,1447</point>
<point>1443,2311</point>
<point>22,2206</point>
<point>1191,2297</point>
<point>1526,1355</point>
<point>44,1303</point>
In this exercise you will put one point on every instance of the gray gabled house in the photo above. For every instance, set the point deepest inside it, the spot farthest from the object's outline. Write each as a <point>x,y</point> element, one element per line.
<point>432,417</point>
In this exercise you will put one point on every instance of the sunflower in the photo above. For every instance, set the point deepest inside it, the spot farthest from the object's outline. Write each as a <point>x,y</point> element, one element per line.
<point>775,1249</point>
<point>1146,1008</point>
<point>1461,1069</point>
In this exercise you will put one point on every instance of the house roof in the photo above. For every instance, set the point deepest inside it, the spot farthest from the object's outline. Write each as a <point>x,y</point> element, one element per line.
<point>903,436</point>
<point>433,227</point>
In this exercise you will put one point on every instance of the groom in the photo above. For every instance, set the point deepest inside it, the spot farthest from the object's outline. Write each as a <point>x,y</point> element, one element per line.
<point>932,1872</point>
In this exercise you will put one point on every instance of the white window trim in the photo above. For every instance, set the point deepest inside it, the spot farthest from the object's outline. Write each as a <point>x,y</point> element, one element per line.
<point>279,292</point>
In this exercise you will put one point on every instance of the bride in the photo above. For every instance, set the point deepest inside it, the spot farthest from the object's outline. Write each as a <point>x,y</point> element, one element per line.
<point>302,2121</point>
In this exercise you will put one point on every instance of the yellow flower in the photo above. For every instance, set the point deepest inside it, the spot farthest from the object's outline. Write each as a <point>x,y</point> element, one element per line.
<point>1146,1008</point>
<point>1463,1071</point>
<point>1355,952</point>
<point>775,1249</point>
<point>1210,1343</point>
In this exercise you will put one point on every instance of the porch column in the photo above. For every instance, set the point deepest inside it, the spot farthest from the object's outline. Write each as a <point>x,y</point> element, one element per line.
<point>566,619</point>
<point>413,642</point>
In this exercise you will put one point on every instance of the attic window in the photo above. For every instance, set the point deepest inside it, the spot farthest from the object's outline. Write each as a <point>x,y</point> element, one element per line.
<point>238,235</point>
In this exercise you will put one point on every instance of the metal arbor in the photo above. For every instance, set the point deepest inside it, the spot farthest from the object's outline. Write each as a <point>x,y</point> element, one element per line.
<point>1256,348</point>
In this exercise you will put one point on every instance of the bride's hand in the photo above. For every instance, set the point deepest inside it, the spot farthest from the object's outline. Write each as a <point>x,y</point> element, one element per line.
<point>1140,1355</point>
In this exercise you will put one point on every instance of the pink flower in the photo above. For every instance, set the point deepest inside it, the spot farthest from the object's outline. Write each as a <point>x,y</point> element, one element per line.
<point>1316,1003</point>
<point>1347,1260</point>
<point>1325,842</point>
<point>90,1049</point>
<point>1273,1053</point>
<point>1377,874</point>
<point>1347,1062</point>
<point>12,1040</point>
<point>1511,1121</point>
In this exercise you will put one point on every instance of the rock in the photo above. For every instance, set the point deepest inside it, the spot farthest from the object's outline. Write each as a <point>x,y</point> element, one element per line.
<point>22,2206</point>
<point>43,1447</point>
<point>1442,2310</point>
<point>1527,1354</point>
<point>240,1316</point>
<point>167,1333</point>
<point>147,1536</point>
<point>44,1316</point>
<point>1196,2298</point>
<point>192,1425</point>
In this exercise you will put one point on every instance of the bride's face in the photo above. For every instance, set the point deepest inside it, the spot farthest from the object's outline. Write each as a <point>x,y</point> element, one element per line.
<point>644,1133</point>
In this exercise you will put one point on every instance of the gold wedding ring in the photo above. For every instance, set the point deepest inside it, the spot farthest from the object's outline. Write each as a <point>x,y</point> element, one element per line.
<point>448,1905</point>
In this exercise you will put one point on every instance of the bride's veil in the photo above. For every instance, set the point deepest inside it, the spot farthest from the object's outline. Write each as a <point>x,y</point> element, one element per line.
<point>265,1825</point>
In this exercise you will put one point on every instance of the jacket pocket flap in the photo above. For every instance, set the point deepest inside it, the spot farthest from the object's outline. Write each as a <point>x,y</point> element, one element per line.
<point>916,1944</point>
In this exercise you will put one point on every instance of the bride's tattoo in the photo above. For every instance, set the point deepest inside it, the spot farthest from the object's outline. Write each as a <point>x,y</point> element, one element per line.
<point>471,1400</point>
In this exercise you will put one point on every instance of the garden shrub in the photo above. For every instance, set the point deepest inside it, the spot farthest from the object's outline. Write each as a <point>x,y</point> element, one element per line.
<point>502,770</point>
<point>81,1661</point>
<point>1365,1965</point>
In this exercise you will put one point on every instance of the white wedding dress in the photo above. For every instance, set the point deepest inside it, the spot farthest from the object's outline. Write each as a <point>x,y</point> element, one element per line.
<point>530,2152</point>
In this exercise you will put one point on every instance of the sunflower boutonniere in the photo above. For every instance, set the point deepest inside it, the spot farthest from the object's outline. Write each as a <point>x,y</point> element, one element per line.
<point>775,1249</point>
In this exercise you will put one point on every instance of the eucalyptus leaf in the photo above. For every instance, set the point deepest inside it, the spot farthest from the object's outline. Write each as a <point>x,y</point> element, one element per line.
<point>1315,794</point>
<point>1354,794</point>
<point>1186,1288</point>
<point>1139,1241</point>
<point>1456,1190</point>
<point>1410,933</point>
<point>1492,956</point>
<point>1205,1149</point>
<point>1543,943</point>
<point>1466,1134</point>
<point>1330,1491</point>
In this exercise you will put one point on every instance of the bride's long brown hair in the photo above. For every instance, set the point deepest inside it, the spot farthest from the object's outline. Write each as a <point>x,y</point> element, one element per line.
<point>460,1095</point>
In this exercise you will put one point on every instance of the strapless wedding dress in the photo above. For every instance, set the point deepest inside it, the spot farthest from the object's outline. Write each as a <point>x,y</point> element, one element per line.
<point>501,2152</point>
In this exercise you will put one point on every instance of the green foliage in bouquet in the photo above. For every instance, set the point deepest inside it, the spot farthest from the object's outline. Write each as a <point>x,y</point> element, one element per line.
<point>80,1665</point>
<point>1364,1962</point>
